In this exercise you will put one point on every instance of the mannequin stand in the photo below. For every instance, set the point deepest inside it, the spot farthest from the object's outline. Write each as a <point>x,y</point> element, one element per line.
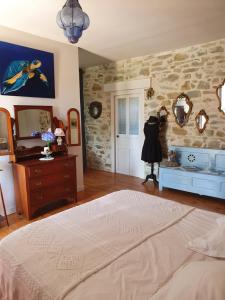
<point>151,176</point>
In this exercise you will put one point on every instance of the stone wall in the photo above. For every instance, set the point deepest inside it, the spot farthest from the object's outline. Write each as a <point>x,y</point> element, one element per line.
<point>194,70</point>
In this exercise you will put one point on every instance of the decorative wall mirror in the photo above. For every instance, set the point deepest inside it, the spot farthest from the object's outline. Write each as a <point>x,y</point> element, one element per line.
<point>32,119</point>
<point>6,138</point>
<point>163,112</point>
<point>182,108</point>
<point>95,109</point>
<point>201,121</point>
<point>220,91</point>
<point>73,117</point>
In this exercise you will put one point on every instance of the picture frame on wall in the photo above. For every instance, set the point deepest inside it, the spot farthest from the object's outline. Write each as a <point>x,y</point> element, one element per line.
<point>26,72</point>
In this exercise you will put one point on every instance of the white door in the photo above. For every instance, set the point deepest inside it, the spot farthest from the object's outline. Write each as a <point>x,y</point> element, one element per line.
<point>129,134</point>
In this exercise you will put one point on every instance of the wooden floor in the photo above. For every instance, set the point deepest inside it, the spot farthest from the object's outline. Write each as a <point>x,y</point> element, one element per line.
<point>99,183</point>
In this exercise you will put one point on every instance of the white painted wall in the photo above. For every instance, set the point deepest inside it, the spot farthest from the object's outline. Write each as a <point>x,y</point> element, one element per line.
<point>67,96</point>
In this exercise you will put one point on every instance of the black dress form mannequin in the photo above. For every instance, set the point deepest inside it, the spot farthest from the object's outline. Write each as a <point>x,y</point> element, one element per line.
<point>152,151</point>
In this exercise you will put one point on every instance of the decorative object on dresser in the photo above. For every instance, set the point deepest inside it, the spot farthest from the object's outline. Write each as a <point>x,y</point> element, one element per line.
<point>48,137</point>
<point>220,92</point>
<point>201,121</point>
<point>6,138</point>
<point>171,162</point>
<point>201,171</point>
<point>95,109</point>
<point>59,133</point>
<point>60,148</point>
<point>2,207</point>
<point>39,184</point>
<point>182,108</point>
<point>73,119</point>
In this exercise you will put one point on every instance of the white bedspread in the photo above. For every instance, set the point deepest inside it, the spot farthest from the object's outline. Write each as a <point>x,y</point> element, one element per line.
<point>123,246</point>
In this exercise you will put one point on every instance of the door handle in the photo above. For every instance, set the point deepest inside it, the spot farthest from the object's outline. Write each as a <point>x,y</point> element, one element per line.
<point>117,136</point>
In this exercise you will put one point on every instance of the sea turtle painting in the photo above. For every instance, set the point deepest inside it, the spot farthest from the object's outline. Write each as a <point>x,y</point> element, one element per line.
<point>19,72</point>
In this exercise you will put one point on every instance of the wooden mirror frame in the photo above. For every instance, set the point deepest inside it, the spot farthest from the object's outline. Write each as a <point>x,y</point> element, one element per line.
<point>10,133</point>
<point>69,127</point>
<point>188,101</point>
<point>219,98</point>
<point>202,113</point>
<point>95,105</point>
<point>18,108</point>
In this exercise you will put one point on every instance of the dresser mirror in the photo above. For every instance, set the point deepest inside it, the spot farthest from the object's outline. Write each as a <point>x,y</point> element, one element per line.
<point>182,108</point>
<point>201,121</point>
<point>220,91</point>
<point>6,139</point>
<point>30,121</point>
<point>73,118</point>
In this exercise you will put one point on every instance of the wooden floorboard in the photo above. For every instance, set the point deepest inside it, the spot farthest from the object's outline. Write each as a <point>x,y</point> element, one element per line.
<point>100,183</point>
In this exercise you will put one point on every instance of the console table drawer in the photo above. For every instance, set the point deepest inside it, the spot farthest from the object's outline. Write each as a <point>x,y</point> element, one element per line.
<point>174,179</point>
<point>206,184</point>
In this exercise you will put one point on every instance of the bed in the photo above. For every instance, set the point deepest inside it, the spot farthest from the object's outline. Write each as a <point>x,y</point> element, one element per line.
<point>124,246</point>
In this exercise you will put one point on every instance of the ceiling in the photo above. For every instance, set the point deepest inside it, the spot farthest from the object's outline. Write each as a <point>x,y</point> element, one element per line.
<point>124,28</point>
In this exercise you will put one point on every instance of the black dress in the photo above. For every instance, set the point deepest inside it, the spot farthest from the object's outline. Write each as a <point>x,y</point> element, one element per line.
<point>151,151</point>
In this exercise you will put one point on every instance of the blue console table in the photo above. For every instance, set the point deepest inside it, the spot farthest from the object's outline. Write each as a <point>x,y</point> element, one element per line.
<point>201,171</point>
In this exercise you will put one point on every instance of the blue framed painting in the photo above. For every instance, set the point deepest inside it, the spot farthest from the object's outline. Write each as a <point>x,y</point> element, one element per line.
<point>26,72</point>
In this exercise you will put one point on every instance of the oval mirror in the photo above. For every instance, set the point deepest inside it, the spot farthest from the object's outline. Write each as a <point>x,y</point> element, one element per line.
<point>220,91</point>
<point>182,108</point>
<point>6,139</point>
<point>201,121</point>
<point>73,118</point>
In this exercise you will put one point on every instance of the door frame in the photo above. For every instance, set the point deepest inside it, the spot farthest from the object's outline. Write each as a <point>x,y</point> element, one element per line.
<point>118,89</point>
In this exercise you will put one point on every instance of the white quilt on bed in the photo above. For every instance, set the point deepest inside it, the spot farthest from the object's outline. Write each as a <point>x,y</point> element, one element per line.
<point>90,251</point>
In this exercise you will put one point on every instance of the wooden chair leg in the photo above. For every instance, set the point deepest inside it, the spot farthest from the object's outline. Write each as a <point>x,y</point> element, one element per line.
<point>3,203</point>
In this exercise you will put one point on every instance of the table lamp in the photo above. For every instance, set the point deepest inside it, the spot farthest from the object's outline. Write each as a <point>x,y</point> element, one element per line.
<point>59,133</point>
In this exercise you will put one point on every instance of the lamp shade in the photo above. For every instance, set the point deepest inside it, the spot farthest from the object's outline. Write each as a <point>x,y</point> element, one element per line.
<point>59,132</point>
<point>72,20</point>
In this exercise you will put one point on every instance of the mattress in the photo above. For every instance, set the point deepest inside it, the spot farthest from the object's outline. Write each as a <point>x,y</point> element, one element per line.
<point>126,245</point>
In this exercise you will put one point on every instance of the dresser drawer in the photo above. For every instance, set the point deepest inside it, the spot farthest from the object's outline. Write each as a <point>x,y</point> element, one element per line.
<point>52,180</point>
<point>45,196</point>
<point>51,167</point>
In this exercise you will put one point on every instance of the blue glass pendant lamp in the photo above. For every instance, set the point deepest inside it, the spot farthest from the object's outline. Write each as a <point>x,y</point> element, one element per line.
<point>72,20</point>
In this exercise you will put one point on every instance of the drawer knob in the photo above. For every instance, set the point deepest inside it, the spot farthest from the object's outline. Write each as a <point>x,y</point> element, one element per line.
<point>37,171</point>
<point>39,197</point>
<point>66,176</point>
<point>38,183</point>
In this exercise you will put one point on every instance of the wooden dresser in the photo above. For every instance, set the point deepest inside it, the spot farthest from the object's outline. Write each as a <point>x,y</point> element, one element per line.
<point>40,183</point>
